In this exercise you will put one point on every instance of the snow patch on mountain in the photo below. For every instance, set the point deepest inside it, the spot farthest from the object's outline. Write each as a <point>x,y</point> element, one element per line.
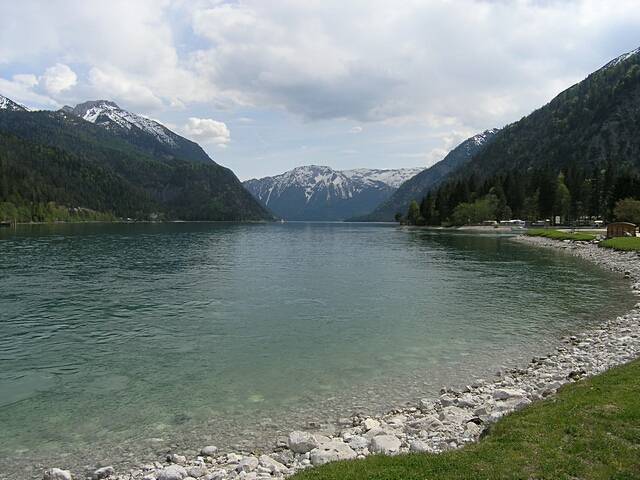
<point>481,138</point>
<point>8,104</point>
<point>622,58</point>
<point>108,114</point>
<point>393,178</point>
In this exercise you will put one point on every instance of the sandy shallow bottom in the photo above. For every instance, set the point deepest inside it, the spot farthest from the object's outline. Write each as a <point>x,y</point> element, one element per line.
<point>454,418</point>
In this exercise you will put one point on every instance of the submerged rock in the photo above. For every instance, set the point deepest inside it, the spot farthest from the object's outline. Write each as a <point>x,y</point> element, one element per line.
<point>103,472</point>
<point>209,451</point>
<point>175,458</point>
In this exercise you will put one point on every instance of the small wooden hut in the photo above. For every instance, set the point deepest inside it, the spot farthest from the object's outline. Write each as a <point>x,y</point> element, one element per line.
<point>621,229</point>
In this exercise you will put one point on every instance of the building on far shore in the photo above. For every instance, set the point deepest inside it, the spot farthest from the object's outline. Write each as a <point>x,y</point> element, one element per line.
<point>621,229</point>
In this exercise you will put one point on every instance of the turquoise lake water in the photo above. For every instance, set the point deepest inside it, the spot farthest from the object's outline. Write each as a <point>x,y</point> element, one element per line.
<point>119,342</point>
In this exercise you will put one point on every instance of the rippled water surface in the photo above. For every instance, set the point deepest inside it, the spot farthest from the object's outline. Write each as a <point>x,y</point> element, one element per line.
<point>118,342</point>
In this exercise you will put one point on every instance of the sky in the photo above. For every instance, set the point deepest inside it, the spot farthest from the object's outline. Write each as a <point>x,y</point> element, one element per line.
<point>268,85</point>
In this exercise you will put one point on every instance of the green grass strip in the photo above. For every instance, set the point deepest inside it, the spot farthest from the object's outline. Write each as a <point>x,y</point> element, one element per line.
<point>558,235</point>
<point>622,243</point>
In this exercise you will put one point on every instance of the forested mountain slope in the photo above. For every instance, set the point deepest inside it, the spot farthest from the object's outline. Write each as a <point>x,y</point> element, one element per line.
<point>60,157</point>
<point>573,158</point>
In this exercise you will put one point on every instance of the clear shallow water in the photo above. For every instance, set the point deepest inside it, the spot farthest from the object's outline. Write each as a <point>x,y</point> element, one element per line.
<point>118,342</point>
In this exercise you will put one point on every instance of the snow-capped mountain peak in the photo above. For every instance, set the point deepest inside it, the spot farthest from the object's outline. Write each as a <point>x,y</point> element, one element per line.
<point>316,192</point>
<point>8,104</point>
<point>109,115</point>
<point>345,183</point>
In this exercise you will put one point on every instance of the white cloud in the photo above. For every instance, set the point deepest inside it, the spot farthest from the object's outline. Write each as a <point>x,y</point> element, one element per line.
<point>477,63</point>
<point>356,129</point>
<point>27,79</point>
<point>117,85</point>
<point>58,78</point>
<point>484,62</point>
<point>207,130</point>
<point>21,89</point>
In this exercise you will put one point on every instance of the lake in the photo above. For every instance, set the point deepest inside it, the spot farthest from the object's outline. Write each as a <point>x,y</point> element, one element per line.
<point>120,341</point>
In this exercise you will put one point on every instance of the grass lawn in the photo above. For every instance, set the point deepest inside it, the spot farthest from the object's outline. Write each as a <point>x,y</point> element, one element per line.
<point>589,430</point>
<point>622,243</point>
<point>558,235</point>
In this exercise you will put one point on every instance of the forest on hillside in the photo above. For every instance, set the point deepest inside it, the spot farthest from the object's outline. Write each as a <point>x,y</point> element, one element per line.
<point>573,158</point>
<point>577,195</point>
<point>53,166</point>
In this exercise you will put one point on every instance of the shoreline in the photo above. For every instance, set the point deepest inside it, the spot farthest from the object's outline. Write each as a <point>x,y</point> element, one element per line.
<point>454,419</point>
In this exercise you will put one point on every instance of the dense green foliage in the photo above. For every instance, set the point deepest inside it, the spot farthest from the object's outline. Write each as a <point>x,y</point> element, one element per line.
<point>574,158</point>
<point>560,235</point>
<point>50,212</point>
<point>52,157</point>
<point>589,430</point>
<point>622,243</point>
<point>627,210</point>
<point>478,211</point>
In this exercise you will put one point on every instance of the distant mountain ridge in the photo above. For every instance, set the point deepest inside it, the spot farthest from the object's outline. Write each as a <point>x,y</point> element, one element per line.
<point>321,193</point>
<point>417,187</point>
<point>101,157</point>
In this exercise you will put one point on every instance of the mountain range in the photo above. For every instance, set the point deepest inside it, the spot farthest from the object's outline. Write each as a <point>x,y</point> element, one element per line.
<point>100,157</point>
<point>322,194</point>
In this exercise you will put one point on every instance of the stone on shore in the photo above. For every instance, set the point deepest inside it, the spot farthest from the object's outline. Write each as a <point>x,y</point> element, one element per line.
<point>358,442</point>
<point>507,393</point>
<point>302,442</point>
<point>418,446</point>
<point>272,465</point>
<point>197,471</point>
<point>370,424</point>
<point>172,472</point>
<point>386,444</point>
<point>331,452</point>
<point>247,464</point>
<point>57,474</point>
